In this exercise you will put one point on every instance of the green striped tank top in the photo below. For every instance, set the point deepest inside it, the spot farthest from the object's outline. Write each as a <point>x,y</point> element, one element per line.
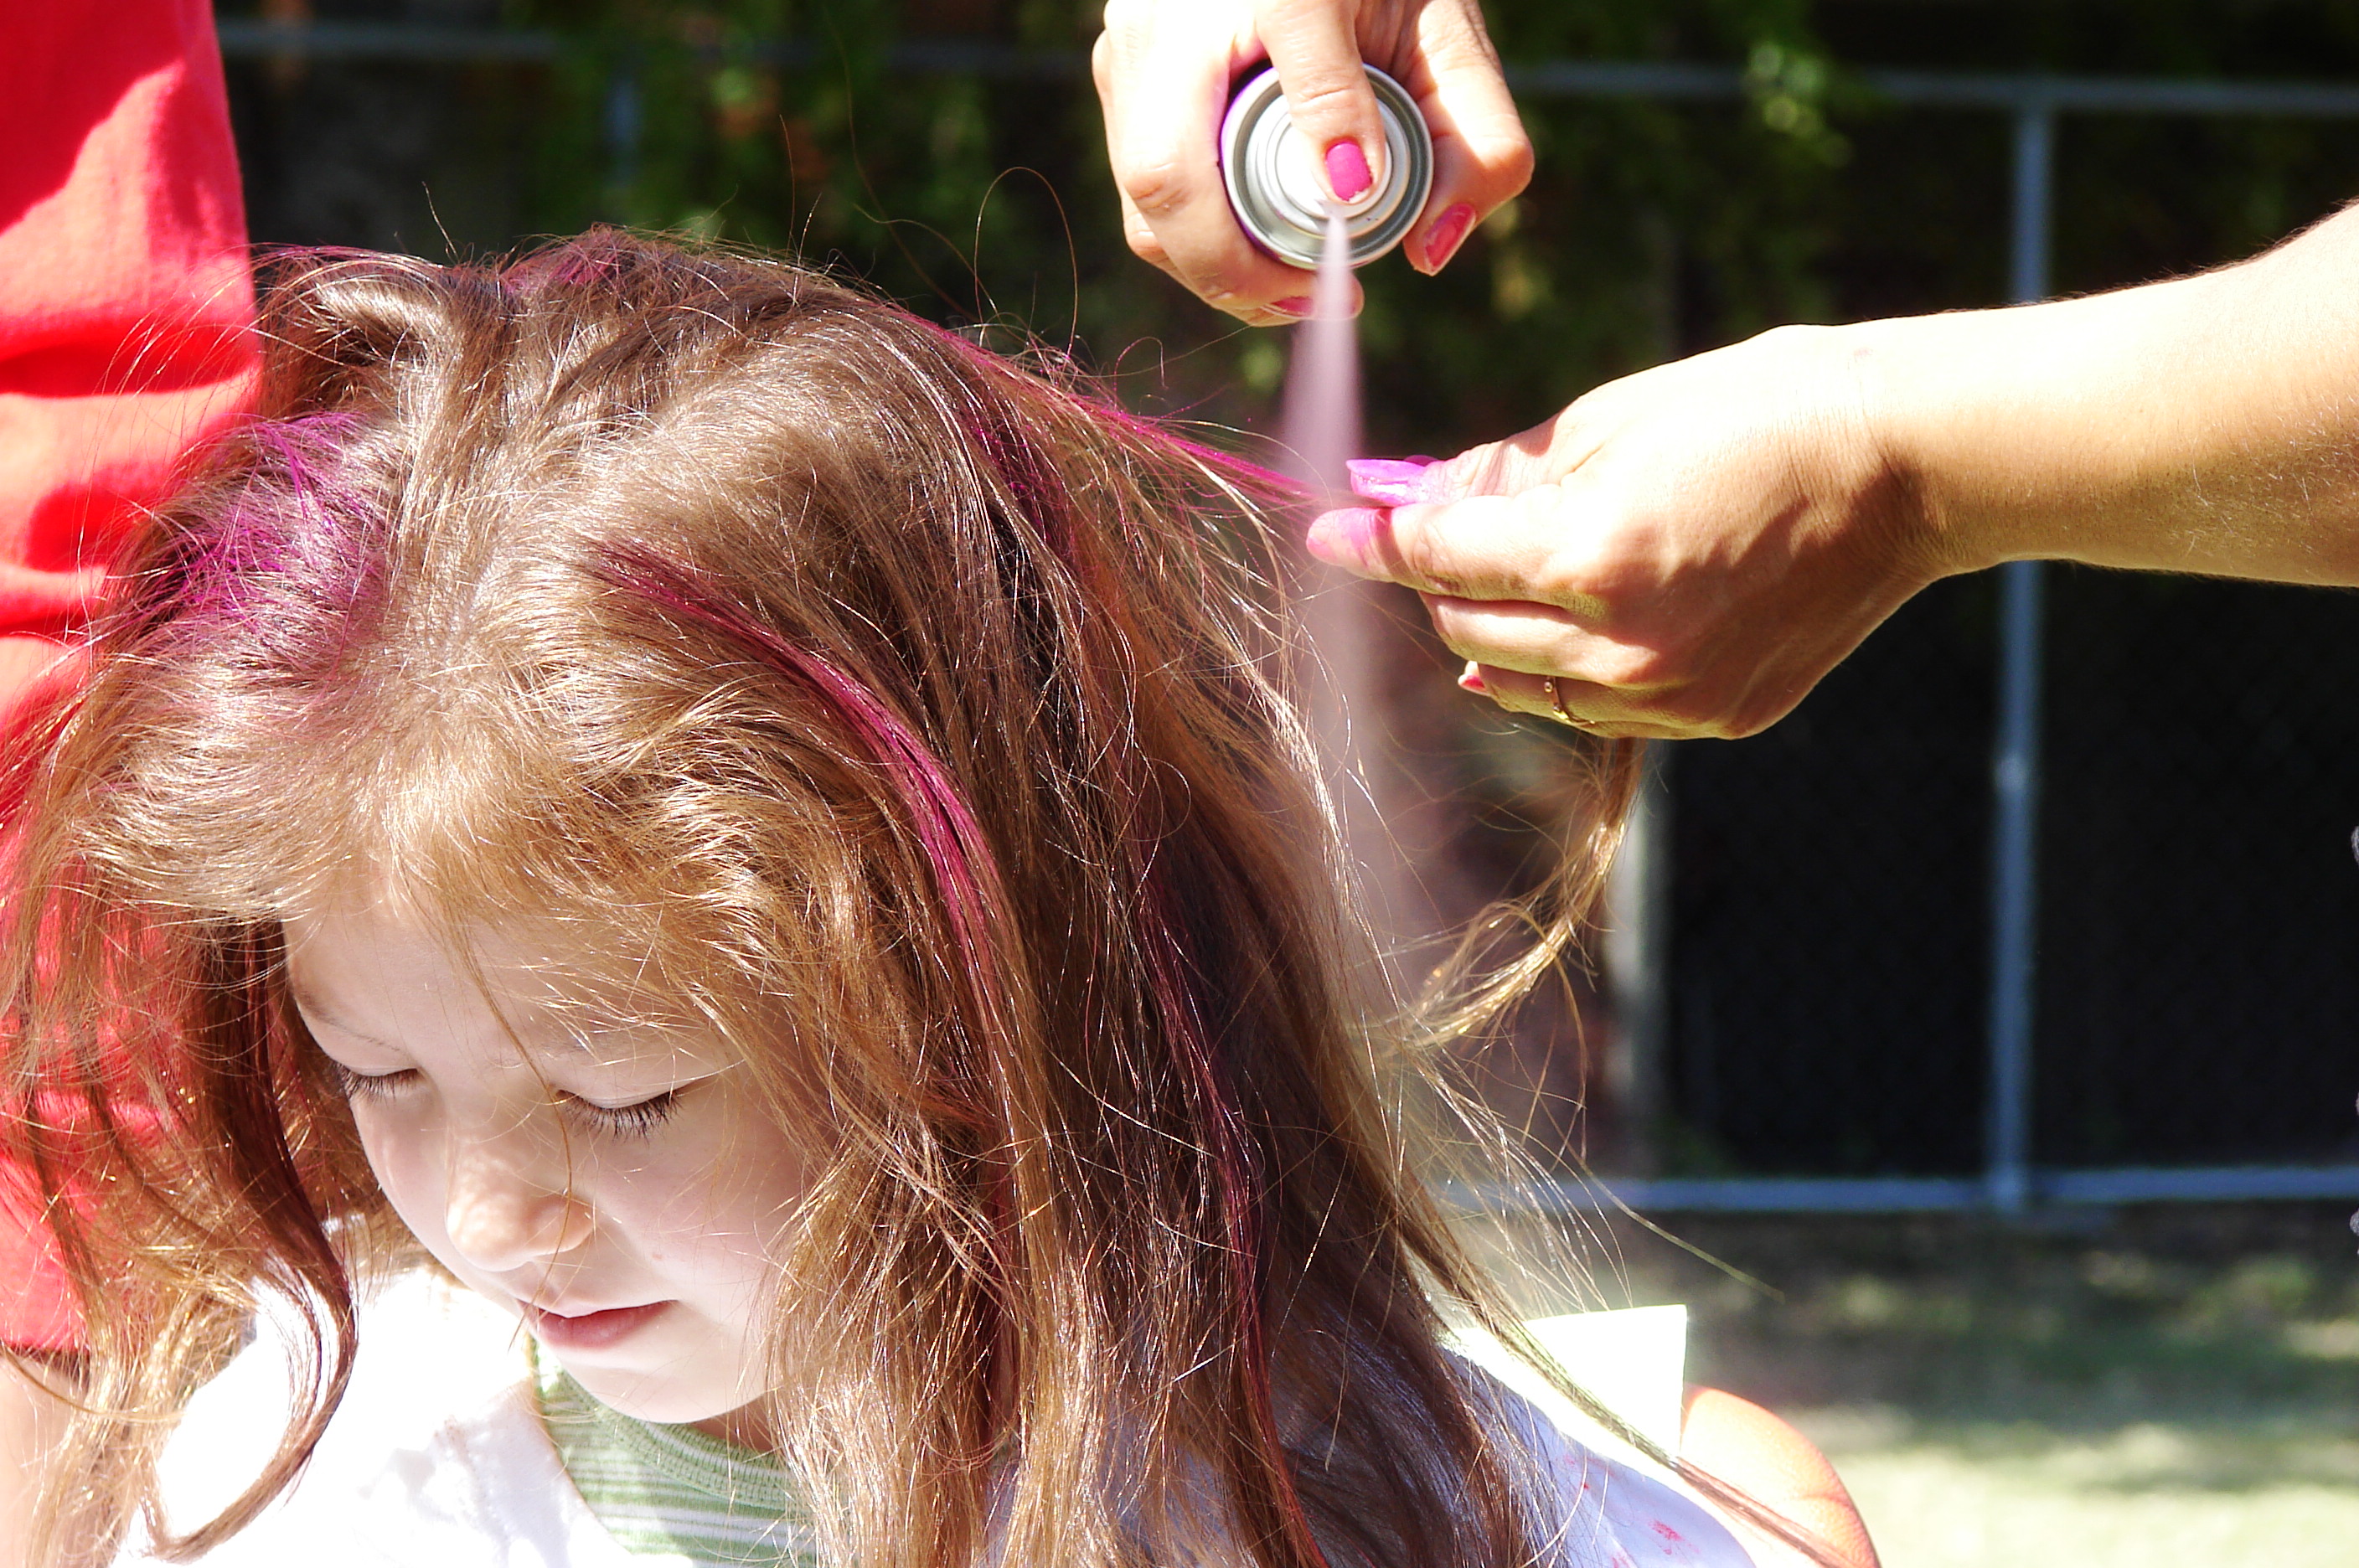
<point>671,1490</point>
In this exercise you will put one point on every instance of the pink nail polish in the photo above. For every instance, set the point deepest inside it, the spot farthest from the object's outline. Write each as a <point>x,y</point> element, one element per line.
<point>1472,680</point>
<point>1299,305</point>
<point>1342,536</point>
<point>1396,482</point>
<point>1347,171</point>
<point>1448,233</point>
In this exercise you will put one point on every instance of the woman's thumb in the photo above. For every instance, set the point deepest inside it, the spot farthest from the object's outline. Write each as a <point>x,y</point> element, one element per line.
<point>1506,467</point>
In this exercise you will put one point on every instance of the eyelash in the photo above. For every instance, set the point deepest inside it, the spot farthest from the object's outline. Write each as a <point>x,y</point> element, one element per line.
<point>629,1121</point>
<point>357,1085</point>
<point>626,1121</point>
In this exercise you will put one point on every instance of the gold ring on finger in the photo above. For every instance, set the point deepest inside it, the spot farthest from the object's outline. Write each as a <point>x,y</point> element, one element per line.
<point>1556,706</point>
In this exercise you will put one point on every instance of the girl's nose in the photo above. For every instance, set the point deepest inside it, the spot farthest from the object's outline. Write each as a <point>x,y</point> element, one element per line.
<point>503,1214</point>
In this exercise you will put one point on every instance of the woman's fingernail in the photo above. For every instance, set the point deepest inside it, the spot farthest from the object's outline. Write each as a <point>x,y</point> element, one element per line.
<point>1471,681</point>
<point>1396,482</point>
<point>1347,171</point>
<point>1449,232</point>
<point>1299,305</point>
<point>1340,537</point>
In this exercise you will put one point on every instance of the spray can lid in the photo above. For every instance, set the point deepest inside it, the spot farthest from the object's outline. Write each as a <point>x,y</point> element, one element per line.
<point>1278,185</point>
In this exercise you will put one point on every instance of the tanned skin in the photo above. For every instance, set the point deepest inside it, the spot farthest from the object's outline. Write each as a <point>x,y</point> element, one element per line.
<point>1778,1467</point>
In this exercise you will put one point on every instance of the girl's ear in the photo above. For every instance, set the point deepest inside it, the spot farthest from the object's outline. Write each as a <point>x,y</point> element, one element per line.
<point>1739,1442</point>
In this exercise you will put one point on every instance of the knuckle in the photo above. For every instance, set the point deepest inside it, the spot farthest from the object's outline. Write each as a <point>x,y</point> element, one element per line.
<point>1702,711</point>
<point>1156,185</point>
<point>1452,630</point>
<point>1511,165</point>
<point>1480,470</point>
<point>1792,337</point>
<point>1438,569</point>
<point>1591,403</point>
<point>1219,290</point>
<point>1411,552</point>
<point>1147,248</point>
<point>1283,15</point>
<point>1636,670</point>
<point>1658,665</point>
<point>1330,98</point>
<point>1575,585</point>
<point>1619,666</point>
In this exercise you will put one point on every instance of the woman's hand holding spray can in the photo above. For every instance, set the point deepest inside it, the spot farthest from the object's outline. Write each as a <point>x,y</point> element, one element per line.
<point>1362,87</point>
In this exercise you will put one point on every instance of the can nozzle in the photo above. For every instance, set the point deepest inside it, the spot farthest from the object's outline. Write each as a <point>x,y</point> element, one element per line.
<point>1278,181</point>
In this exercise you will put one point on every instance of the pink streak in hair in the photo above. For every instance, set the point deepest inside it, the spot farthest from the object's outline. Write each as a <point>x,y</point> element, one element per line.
<point>963,868</point>
<point>1036,488</point>
<point>1233,1174</point>
<point>964,872</point>
<point>304,528</point>
<point>1040,493</point>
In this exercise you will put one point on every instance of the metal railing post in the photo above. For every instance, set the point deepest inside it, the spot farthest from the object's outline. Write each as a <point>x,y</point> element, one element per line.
<point>1636,950</point>
<point>2015,750</point>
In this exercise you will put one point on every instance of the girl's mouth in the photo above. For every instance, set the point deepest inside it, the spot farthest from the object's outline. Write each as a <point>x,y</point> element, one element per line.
<point>591,1331</point>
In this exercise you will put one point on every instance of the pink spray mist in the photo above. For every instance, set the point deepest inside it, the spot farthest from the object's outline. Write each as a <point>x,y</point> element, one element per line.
<point>1343,616</point>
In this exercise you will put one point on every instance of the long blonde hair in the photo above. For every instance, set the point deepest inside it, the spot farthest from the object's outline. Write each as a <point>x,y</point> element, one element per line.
<point>920,718</point>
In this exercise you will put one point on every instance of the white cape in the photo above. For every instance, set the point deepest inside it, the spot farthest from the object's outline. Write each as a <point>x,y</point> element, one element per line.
<point>437,1458</point>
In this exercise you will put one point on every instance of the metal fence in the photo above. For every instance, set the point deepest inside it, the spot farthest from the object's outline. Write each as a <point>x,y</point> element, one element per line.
<point>1954,1049</point>
<point>1645,961</point>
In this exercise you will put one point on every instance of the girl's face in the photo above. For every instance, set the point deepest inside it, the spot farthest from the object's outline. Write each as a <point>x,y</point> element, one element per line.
<point>615,1182</point>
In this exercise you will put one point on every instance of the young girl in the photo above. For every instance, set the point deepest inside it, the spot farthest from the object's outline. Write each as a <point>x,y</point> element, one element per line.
<point>658,799</point>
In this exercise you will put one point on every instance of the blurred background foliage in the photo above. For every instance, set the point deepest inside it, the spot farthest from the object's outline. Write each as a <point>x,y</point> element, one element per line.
<point>1651,229</point>
<point>984,199</point>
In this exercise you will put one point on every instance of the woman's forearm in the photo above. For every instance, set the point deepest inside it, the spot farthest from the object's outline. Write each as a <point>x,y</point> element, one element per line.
<point>2209,424</point>
<point>1687,551</point>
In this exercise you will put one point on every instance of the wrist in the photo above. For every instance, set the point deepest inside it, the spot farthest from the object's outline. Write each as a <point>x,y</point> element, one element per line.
<point>1889,485</point>
<point>1935,437</point>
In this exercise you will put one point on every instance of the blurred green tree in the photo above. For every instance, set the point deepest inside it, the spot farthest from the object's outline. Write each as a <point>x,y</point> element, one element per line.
<point>986,201</point>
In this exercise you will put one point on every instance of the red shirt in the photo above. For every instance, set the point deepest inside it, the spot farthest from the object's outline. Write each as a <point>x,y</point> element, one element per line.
<point>125,315</point>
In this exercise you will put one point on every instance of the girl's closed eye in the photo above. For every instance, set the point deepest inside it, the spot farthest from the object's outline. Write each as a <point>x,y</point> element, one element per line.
<point>354,1084</point>
<point>638,1119</point>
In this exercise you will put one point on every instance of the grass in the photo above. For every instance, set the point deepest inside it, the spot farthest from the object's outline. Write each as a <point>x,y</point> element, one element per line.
<point>2225,1493</point>
<point>2147,1389</point>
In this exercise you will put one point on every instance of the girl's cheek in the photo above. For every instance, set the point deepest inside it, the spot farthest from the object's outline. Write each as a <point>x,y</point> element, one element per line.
<point>403,1156</point>
<point>680,1200</point>
<point>726,1192</point>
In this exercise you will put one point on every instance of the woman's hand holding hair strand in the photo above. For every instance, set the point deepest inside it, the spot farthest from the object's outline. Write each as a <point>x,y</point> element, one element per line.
<point>1685,551</point>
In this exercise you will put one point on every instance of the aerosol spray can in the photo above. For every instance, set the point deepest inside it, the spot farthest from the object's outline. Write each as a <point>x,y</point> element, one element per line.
<point>1277,181</point>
